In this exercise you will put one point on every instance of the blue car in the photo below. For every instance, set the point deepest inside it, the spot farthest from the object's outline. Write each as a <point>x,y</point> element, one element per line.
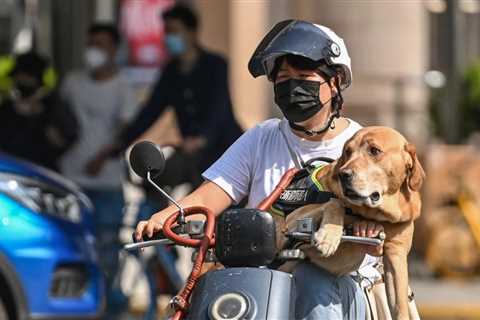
<point>48,267</point>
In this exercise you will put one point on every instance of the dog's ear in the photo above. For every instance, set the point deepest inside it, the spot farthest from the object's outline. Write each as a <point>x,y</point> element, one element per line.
<point>338,163</point>
<point>416,174</point>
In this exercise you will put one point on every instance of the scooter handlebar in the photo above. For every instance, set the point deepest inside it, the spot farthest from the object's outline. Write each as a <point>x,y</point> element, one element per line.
<point>194,229</point>
<point>372,241</point>
<point>159,235</point>
<point>143,244</point>
<point>188,234</point>
<point>306,228</point>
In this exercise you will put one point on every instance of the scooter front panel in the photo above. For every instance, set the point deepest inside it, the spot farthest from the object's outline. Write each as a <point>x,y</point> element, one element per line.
<point>243,293</point>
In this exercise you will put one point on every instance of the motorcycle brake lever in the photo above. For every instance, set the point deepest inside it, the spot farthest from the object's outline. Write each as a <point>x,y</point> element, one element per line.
<point>364,240</point>
<point>158,235</point>
<point>150,243</point>
<point>349,237</point>
<point>143,244</point>
<point>373,241</point>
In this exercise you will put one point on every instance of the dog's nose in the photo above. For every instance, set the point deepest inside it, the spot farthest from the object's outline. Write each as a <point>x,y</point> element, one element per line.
<point>346,176</point>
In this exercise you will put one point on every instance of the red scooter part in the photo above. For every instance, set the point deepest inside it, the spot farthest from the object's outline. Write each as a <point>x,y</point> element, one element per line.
<point>277,192</point>
<point>209,228</point>
<point>180,301</point>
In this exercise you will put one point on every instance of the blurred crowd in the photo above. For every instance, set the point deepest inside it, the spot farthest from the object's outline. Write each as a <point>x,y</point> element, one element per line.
<point>82,125</point>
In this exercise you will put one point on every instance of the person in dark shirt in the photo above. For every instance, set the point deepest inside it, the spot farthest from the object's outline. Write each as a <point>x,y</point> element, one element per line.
<point>195,84</point>
<point>34,123</point>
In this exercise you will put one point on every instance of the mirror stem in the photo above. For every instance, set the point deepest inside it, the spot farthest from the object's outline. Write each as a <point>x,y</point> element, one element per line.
<point>181,216</point>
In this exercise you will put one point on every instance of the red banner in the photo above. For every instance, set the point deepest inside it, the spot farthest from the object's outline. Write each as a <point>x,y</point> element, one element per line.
<point>141,23</point>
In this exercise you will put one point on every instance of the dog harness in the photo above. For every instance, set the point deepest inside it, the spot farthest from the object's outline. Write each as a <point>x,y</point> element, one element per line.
<point>304,188</point>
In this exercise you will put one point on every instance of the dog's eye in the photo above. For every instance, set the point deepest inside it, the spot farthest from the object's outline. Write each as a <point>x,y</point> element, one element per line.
<point>374,151</point>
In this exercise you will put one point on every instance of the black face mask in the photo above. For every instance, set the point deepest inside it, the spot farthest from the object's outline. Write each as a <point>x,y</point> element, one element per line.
<point>298,99</point>
<point>26,90</point>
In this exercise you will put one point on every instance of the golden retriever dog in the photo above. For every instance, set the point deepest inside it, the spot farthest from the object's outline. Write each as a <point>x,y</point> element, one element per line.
<point>378,176</point>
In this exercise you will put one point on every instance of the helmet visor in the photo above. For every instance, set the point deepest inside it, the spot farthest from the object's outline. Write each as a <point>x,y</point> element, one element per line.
<point>292,37</point>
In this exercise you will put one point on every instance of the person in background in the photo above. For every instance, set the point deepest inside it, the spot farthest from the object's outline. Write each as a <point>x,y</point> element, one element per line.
<point>195,84</point>
<point>103,102</point>
<point>34,123</point>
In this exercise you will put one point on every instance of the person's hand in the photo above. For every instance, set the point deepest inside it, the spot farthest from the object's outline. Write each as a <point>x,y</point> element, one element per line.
<point>148,228</point>
<point>192,144</point>
<point>371,229</point>
<point>96,163</point>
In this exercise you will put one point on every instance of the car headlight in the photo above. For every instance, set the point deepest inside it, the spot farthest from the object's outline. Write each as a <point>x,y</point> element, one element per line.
<point>229,306</point>
<point>41,197</point>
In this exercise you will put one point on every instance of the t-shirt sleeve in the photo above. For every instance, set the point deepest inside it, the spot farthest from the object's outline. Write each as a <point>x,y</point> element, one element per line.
<point>234,169</point>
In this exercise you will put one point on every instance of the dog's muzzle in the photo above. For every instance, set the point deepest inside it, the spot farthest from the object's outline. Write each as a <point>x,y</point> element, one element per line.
<point>371,199</point>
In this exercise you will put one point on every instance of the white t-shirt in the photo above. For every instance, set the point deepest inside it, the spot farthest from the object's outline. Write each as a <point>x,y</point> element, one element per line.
<point>101,107</point>
<point>256,162</point>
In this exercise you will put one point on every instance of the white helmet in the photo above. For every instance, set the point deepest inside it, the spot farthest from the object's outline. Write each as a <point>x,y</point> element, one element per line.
<point>305,39</point>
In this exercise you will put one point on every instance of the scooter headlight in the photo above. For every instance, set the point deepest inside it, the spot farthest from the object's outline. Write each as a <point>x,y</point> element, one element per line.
<point>41,197</point>
<point>229,306</point>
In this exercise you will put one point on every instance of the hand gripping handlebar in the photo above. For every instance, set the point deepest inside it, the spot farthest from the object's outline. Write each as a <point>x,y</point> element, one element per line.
<point>180,301</point>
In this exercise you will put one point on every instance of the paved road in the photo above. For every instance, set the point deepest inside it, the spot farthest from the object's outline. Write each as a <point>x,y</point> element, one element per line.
<point>443,299</point>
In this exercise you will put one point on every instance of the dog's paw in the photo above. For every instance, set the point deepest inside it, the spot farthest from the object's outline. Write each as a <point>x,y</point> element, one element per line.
<point>327,239</point>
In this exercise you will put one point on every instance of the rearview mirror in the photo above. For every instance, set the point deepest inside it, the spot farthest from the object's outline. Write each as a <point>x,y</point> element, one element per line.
<point>147,157</point>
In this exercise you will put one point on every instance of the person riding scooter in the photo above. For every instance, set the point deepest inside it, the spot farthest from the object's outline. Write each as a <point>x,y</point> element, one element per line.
<point>309,67</point>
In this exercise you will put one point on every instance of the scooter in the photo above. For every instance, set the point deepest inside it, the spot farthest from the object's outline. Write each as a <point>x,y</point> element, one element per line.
<point>243,241</point>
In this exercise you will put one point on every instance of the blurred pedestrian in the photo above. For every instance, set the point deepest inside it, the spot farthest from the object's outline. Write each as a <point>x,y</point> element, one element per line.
<point>34,123</point>
<point>103,102</point>
<point>195,84</point>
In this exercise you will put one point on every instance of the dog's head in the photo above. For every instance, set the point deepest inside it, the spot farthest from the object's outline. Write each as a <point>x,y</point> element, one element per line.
<point>377,162</point>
